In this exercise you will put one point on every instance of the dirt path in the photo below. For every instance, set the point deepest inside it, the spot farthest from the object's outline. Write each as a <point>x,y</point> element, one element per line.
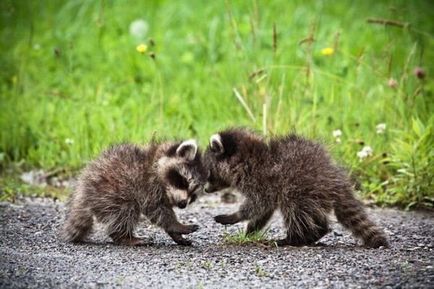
<point>31,255</point>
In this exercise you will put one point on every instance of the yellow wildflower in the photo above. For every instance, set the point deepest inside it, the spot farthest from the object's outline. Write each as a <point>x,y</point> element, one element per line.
<point>141,48</point>
<point>327,51</point>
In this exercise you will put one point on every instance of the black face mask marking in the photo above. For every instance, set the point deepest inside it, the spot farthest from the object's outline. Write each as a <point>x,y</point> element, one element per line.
<point>175,179</point>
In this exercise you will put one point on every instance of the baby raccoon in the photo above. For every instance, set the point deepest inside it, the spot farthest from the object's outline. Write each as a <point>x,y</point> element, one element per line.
<point>127,181</point>
<point>288,173</point>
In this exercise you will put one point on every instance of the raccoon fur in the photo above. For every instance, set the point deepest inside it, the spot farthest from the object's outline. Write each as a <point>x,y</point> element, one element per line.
<point>291,174</point>
<point>127,181</point>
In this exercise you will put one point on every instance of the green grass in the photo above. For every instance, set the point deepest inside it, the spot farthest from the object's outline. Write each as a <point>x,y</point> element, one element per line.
<point>260,272</point>
<point>72,82</point>
<point>240,238</point>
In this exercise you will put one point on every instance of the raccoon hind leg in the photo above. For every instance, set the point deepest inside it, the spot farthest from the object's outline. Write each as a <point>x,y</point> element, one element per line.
<point>121,225</point>
<point>304,226</point>
<point>257,223</point>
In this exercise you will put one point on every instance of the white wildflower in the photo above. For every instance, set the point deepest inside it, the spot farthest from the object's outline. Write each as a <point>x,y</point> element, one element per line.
<point>381,127</point>
<point>337,133</point>
<point>69,141</point>
<point>338,140</point>
<point>402,171</point>
<point>138,29</point>
<point>365,152</point>
<point>368,150</point>
<point>362,155</point>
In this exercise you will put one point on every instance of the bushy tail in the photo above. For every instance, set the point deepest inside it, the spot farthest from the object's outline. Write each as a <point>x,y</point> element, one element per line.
<point>352,215</point>
<point>78,223</point>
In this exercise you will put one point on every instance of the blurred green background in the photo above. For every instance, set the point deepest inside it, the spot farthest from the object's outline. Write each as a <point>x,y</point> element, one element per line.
<point>73,81</point>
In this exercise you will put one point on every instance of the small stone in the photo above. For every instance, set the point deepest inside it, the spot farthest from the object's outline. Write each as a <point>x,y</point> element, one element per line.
<point>413,249</point>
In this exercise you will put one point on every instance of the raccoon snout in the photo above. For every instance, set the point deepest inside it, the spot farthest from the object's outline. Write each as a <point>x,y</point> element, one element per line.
<point>193,198</point>
<point>182,204</point>
<point>193,189</point>
<point>208,188</point>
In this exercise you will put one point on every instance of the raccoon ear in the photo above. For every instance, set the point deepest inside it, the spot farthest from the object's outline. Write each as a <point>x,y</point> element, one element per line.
<point>216,145</point>
<point>187,149</point>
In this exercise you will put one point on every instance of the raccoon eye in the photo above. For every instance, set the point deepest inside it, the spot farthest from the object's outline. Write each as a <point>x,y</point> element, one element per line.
<point>176,180</point>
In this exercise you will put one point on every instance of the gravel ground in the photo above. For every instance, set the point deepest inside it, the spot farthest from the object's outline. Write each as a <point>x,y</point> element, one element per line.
<point>32,256</point>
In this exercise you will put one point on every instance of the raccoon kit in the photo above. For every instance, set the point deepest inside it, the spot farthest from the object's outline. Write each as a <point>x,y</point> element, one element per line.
<point>288,173</point>
<point>127,181</point>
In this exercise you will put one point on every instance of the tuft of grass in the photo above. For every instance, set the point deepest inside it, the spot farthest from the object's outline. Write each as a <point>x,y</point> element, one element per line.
<point>240,238</point>
<point>207,265</point>
<point>260,272</point>
<point>411,168</point>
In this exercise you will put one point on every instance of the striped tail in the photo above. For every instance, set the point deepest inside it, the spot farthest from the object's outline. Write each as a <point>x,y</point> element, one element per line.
<point>352,215</point>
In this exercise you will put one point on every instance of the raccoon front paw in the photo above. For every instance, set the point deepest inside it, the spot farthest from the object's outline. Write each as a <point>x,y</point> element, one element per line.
<point>183,242</point>
<point>281,242</point>
<point>225,219</point>
<point>179,239</point>
<point>192,228</point>
<point>130,241</point>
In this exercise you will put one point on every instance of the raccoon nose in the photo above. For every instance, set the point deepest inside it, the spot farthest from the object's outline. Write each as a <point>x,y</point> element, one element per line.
<point>182,204</point>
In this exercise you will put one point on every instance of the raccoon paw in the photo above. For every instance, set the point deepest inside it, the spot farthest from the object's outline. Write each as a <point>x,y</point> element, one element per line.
<point>225,219</point>
<point>134,241</point>
<point>179,239</point>
<point>281,242</point>
<point>183,242</point>
<point>193,228</point>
